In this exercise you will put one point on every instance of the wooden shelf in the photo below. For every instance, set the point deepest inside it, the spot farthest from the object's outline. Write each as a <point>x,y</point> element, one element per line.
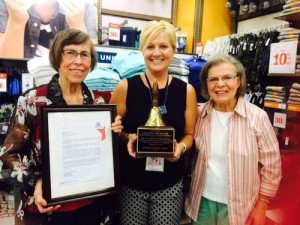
<point>275,105</point>
<point>260,12</point>
<point>293,18</point>
<point>294,107</point>
<point>284,74</point>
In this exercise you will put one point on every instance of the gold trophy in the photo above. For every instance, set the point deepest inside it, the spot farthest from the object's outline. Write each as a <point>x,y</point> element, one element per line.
<point>155,138</point>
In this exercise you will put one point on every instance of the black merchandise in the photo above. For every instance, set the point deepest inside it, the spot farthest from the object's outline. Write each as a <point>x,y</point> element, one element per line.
<point>253,51</point>
<point>129,37</point>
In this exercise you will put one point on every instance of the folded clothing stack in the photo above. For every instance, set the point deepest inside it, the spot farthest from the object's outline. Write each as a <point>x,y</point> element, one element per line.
<point>128,65</point>
<point>288,34</point>
<point>102,79</point>
<point>294,97</point>
<point>290,6</point>
<point>297,70</point>
<point>276,94</point>
<point>180,69</point>
<point>40,69</point>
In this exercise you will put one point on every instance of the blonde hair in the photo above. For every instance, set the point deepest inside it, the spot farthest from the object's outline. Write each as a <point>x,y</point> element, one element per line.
<point>152,29</point>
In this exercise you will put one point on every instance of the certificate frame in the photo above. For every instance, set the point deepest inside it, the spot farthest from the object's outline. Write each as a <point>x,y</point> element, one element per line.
<point>80,158</point>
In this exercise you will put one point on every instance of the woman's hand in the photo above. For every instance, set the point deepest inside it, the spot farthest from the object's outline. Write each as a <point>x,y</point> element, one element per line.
<point>258,214</point>
<point>40,201</point>
<point>179,149</point>
<point>131,145</point>
<point>116,126</point>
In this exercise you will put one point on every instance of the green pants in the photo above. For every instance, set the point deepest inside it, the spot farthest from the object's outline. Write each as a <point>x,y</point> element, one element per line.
<point>212,213</point>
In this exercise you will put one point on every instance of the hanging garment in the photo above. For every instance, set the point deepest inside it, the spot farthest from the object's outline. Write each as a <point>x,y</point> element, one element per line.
<point>195,67</point>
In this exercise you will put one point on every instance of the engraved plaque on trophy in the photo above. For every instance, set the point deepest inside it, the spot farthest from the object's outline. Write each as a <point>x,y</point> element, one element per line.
<point>155,138</point>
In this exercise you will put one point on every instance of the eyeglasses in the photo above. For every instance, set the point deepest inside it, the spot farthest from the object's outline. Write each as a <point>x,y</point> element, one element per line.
<point>226,79</point>
<point>72,54</point>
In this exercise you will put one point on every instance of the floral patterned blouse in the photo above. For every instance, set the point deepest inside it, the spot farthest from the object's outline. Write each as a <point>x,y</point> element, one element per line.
<point>20,154</point>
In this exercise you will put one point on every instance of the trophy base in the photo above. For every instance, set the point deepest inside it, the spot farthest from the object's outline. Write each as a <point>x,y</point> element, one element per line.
<point>155,141</point>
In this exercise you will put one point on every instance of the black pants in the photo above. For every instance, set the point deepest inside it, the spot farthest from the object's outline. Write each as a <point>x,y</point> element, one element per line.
<point>87,215</point>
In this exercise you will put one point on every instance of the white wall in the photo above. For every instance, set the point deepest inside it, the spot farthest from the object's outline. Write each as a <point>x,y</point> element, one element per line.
<point>259,23</point>
<point>159,8</point>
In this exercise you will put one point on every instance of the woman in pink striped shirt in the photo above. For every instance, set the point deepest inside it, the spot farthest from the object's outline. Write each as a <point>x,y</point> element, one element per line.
<point>238,168</point>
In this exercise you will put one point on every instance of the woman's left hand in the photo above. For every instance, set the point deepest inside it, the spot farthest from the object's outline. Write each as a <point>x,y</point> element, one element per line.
<point>258,215</point>
<point>40,202</point>
<point>178,150</point>
<point>116,126</point>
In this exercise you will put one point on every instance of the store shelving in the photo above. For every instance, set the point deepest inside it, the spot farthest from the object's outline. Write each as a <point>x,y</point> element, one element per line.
<point>283,106</point>
<point>297,74</point>
<point>293,107</point>
<point>260,12</point>
<point>275,105</point>
<point>293,18</point>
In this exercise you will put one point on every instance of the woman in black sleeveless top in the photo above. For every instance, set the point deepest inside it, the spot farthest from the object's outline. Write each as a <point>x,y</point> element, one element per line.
<point>152,186</point>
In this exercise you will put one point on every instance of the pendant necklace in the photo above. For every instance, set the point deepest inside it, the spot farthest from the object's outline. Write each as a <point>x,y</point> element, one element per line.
<point>162,108</point>
<point>223,123</point>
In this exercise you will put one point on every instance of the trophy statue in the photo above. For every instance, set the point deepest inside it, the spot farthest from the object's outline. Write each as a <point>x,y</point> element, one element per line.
<point>155,138</point>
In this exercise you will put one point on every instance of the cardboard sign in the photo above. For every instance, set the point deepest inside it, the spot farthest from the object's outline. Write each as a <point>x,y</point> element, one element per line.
<point>279,120</point>
<point>114,31</point>
<point>283,57</point>
<point>3,82</point>
<point>27,81</point>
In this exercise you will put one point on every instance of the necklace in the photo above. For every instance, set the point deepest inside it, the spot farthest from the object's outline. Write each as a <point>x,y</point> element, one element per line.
<point>162,108</point>
<point>223,121</point>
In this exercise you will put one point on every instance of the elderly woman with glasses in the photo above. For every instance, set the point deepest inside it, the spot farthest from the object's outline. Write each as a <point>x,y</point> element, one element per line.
<point>238,168</point>
<point>73,56</point>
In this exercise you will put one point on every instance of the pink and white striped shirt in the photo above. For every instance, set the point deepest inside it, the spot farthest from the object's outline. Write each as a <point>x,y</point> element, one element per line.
<point>254,165</point>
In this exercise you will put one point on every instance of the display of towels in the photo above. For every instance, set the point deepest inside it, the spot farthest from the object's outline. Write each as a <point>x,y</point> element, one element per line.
<point>132,64</point>
<point>276,94</point>
<point>128,65</point>
<point>40,69</point>
<point>102,79</point>
<point>294,97</point>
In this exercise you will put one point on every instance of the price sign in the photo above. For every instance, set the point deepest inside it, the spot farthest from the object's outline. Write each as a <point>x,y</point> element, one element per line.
<point>3,82</point>
<point>114,31</point>
<point>27,81</point>
<point>283,57</point>
<point>279,120</point>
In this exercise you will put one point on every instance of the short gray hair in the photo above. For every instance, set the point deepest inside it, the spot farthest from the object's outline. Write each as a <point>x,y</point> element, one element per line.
<point>217,60</point>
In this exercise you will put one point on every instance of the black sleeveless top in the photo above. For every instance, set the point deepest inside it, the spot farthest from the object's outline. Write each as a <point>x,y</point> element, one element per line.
<point>139,104</point>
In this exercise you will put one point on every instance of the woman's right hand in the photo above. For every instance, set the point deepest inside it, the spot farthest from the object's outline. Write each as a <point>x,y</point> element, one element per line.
<point>131,145</point>
<point>40,202</point>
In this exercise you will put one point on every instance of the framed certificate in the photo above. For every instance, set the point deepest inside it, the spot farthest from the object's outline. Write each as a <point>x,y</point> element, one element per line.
<point>80,158</point>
